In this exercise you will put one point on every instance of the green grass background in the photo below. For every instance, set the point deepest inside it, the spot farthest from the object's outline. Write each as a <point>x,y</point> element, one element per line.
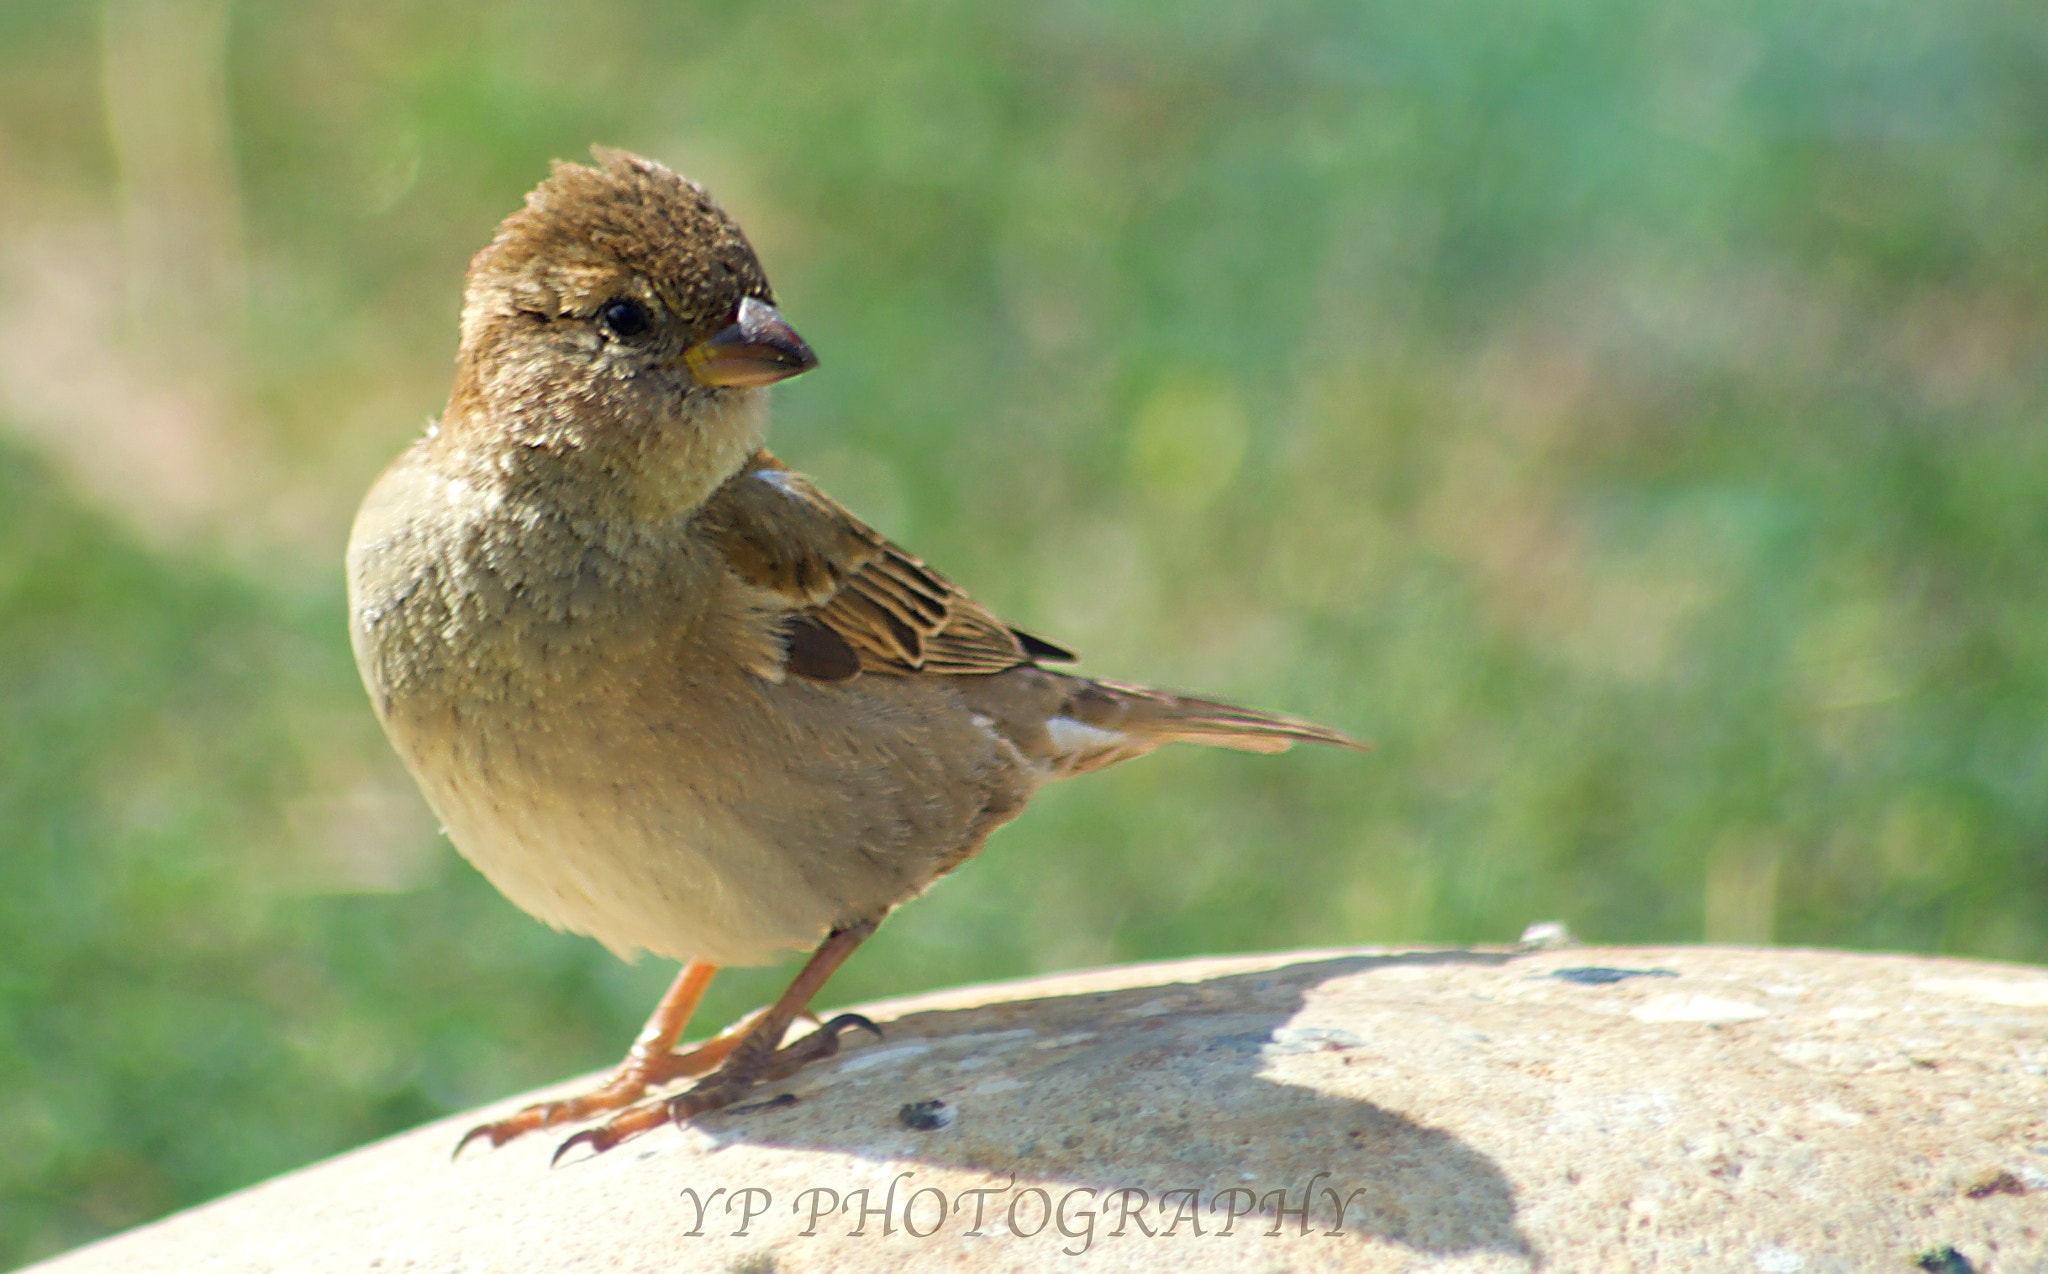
<point>1629,414</point>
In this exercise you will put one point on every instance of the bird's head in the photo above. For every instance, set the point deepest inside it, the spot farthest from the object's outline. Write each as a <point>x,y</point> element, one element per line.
<point>621,317</point>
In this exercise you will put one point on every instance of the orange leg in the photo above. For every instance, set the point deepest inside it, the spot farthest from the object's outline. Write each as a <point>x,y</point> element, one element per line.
<point>755,1056</point>
<point>650,1063</point>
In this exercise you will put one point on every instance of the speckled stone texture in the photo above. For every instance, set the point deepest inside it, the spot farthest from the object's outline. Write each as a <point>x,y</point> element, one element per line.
<point>1668,1109</point>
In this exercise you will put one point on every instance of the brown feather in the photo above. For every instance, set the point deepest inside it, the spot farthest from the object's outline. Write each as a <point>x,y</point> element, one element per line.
<point>817,653</point>
<point>1163,715</point>
<point>897,615</point>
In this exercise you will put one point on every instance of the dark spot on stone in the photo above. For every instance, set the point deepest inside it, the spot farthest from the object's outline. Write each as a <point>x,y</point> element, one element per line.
<point>1944,1260</point>
<point>1595,975</point>
<point>926,1116</point>
<point>1999,1182</point>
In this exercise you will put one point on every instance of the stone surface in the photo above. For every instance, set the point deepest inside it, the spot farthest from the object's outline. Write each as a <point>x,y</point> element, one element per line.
<point>1583,1109</point>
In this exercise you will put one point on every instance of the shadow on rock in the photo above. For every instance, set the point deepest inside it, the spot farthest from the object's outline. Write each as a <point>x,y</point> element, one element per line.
<point>1154,1099</point>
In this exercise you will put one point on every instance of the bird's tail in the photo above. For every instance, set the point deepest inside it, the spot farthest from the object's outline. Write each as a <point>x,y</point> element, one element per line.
<point>1107,721</point>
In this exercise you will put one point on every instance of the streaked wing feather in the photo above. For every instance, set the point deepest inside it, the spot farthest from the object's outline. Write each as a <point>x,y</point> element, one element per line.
<point>785,536</point>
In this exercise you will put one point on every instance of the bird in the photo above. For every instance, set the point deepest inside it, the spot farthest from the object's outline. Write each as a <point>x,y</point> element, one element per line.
<point>661,689</point>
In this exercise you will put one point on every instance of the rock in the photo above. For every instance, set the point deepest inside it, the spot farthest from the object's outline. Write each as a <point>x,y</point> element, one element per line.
<point>1682,1108</point>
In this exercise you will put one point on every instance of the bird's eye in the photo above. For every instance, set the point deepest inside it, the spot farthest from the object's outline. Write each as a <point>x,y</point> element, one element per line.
<point>624,318</point>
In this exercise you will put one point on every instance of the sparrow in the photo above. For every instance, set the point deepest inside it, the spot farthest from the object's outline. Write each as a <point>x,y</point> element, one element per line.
<point>659,688</point>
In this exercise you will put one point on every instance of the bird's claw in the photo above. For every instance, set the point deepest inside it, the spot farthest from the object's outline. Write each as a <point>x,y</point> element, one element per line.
<point>618,1093</point>
<point>587,1135</point>
<point>721,1088</point>
<point>847,1022</point>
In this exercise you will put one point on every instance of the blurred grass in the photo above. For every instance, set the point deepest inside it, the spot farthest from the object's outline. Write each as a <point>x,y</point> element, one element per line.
<point>1630,415</point>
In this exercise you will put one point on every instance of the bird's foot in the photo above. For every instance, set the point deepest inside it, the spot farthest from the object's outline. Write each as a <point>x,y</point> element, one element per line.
<point>745,1068</point>
<point>626,1085</point>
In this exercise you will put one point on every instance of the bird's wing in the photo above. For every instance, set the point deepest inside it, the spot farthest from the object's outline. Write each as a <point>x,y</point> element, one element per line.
<point>857,603</point>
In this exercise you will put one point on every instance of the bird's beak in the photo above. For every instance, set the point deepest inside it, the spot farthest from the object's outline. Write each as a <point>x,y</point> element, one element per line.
<point>757,349</point>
